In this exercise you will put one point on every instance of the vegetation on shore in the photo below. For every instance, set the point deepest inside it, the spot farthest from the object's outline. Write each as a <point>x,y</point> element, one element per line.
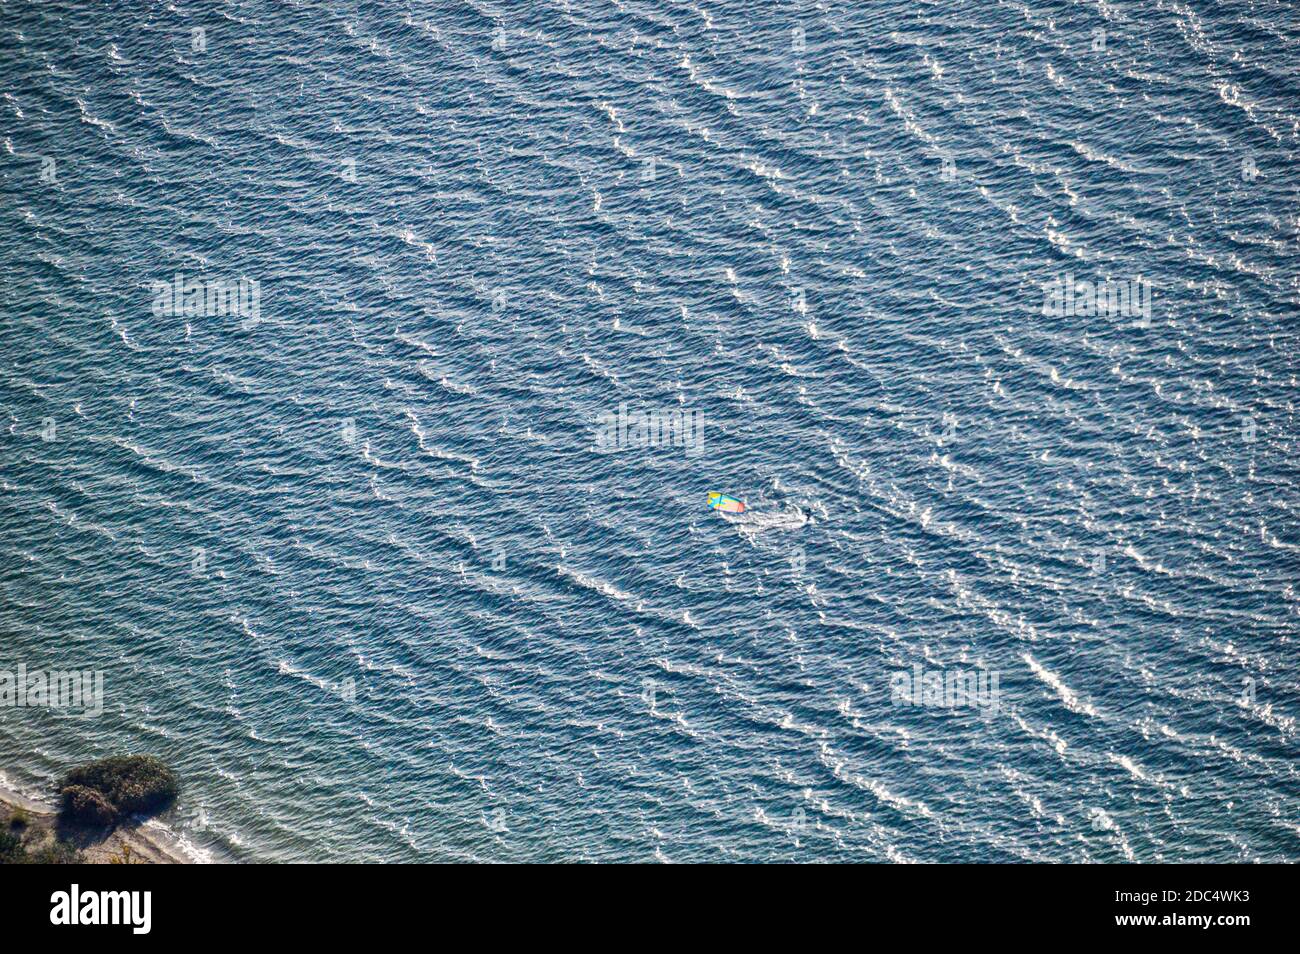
<point>18,846</point>
<point>105,792</point>
<point>93,799</point>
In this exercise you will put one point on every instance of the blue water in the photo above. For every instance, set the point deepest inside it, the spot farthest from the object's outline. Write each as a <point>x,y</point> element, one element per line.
<point>453,630</point>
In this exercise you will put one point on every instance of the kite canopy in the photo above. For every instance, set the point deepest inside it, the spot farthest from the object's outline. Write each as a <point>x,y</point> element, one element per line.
<point>726,504</point>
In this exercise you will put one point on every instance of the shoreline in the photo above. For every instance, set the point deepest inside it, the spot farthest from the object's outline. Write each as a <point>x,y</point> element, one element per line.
<point>148,843</point>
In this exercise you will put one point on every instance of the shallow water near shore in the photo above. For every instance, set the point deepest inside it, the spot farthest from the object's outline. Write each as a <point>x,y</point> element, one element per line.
<point>354,566</point>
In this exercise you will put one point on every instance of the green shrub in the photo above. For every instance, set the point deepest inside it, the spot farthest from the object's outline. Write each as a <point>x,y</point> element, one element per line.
<point>132,784</point>
<point>13,852</point>
<point>88,806</point>
<point>11,848</point>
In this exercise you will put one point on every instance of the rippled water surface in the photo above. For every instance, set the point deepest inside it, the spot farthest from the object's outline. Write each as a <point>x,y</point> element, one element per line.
<point>358,567</point>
